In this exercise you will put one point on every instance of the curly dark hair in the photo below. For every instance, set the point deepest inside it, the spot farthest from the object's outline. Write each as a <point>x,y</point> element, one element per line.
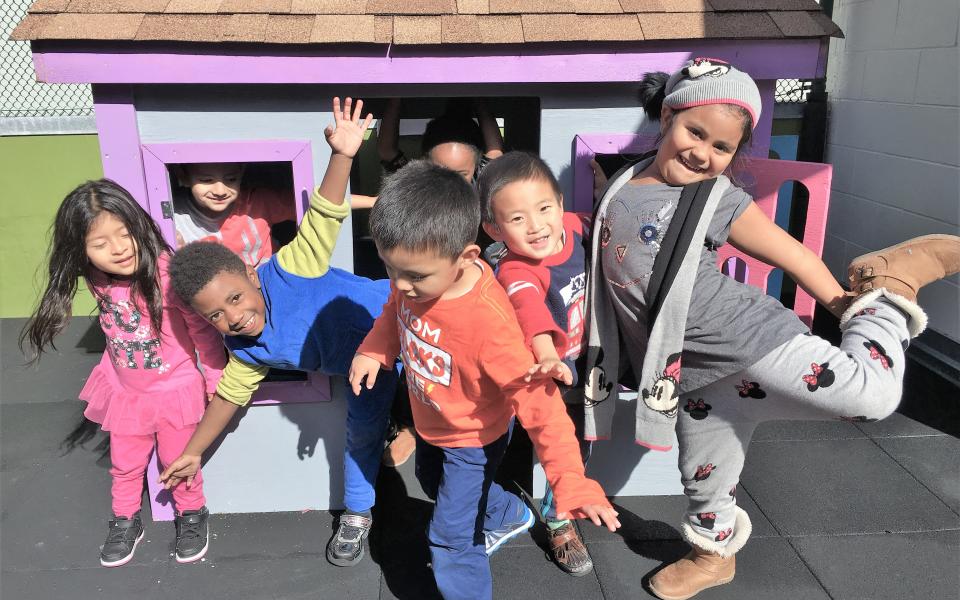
<point>196,264</point>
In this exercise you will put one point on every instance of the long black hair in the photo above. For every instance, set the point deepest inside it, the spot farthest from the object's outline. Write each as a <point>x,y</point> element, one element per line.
<point>68,260</point>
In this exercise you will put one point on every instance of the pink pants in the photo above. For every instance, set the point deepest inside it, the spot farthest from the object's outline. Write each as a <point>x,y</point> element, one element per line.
<point>130,455</point>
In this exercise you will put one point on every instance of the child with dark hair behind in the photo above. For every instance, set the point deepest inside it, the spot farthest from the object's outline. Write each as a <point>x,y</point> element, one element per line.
<point>544,275</point>
<point>295,312</point>
<point>465,360</point>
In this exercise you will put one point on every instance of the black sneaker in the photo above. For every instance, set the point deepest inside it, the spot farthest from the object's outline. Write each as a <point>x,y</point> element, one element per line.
<point>346,546</point>
<point>193,536</point>
<point>122,540</point>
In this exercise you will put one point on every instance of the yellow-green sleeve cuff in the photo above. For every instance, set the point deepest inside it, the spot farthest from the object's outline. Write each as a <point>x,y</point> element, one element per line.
<point>240,380</point>
<point>308,255</point>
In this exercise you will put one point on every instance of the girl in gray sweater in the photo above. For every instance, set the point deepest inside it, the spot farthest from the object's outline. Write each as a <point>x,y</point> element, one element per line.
<point>655,291</point>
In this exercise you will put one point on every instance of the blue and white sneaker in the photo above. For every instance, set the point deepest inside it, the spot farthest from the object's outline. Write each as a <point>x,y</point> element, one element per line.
<point>498,537</point>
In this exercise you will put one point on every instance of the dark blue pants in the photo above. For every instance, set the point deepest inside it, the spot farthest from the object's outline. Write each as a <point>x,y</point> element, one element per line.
<point>367,419</point>
<point>468,503</point>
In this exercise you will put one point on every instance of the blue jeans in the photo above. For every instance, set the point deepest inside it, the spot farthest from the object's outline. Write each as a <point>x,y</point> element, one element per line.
<point>468,503</point>
<point>367,419</point>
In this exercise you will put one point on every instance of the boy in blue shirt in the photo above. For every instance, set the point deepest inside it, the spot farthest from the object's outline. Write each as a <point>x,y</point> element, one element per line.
<point>295,312</point>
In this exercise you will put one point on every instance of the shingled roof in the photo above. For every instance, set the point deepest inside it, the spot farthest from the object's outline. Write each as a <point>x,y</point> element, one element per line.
<point>421,21</point>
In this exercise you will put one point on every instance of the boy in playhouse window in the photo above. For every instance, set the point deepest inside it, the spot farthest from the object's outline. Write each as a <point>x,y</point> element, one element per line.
<point>221,207</point>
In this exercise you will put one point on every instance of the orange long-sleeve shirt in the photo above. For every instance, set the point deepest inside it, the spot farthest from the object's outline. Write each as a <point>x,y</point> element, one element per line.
<point>465,359</point>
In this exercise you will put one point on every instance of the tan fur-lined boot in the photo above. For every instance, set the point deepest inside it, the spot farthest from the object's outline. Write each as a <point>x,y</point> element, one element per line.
<point>906,267</point>
<point>900,271</point>
<point>707,565</point>
<point>692,574</point>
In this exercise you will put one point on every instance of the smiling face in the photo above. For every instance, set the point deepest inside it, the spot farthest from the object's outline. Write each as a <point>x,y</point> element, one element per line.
<point>457,157</point>
<point>110,247</point>
<point>214,186</point>
<point>528,218</point>
<point>232,303</point>
<point>698,143</point>
<point>424,276</point>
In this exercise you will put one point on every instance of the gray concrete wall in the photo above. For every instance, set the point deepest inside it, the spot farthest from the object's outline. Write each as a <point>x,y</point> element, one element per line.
<point>894,136</point>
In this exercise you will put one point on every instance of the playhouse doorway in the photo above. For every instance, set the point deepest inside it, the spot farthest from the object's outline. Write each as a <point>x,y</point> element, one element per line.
<point>518,119</point>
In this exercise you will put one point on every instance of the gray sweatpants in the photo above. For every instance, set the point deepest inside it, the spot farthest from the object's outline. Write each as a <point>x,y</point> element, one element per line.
<point>805,378</point>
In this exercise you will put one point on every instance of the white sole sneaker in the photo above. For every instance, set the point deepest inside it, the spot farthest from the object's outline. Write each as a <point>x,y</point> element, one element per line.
<point>127,558</point>
<point>527,524</point>
<point>189,559</point>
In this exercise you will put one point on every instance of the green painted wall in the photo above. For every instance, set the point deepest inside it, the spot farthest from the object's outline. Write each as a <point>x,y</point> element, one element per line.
<point>36,173</point>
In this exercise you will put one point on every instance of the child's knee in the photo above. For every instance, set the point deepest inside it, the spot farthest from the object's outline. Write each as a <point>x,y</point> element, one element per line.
<point>876,404</point>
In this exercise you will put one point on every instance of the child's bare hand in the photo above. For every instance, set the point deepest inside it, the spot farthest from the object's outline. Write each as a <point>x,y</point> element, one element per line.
<point>346,134</point>
<point>363,367</point>
<point>600,514</point>
<point>550,368</point>
<point>185,467</point>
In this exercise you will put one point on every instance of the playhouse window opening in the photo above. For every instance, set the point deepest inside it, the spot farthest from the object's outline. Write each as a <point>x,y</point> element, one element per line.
<point>518,119</point>
<point>264,191</point>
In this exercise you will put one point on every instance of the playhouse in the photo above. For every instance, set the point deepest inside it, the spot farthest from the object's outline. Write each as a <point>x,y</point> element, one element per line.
<point>202,81</point>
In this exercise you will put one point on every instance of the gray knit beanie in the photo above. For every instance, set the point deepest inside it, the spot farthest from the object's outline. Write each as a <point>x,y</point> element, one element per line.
<point>712,81</point>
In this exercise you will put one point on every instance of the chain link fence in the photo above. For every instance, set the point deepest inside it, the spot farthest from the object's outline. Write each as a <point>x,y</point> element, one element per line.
<point>792,91</point>
<point>20,94</point>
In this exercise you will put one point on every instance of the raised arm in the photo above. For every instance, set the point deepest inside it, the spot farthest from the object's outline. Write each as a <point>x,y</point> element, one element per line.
<point>388,135</point>
<point>308,255</point>
<point>344,137</point>
<point>757,236</point>
<point>492,140</point>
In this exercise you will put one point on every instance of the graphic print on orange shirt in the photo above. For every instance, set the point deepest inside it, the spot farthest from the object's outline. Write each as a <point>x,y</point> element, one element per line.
<point>426,365</point>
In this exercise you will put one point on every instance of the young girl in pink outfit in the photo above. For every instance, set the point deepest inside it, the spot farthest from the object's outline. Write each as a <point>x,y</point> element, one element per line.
<point>147,388</point>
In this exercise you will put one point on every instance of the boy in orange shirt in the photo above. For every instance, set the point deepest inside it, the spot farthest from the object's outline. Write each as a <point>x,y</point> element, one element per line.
<point>465,360</point>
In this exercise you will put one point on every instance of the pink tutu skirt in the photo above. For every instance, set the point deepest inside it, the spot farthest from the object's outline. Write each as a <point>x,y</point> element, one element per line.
<point>129,410</point>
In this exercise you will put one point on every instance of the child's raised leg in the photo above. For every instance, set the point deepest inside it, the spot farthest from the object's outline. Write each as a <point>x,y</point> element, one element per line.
<point>805,378</point>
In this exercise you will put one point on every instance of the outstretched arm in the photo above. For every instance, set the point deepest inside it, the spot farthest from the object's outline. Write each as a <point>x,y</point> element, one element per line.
<point>756,235</point>
<point>358,201</point>
<point>237,385</point>
<point>214,421</point>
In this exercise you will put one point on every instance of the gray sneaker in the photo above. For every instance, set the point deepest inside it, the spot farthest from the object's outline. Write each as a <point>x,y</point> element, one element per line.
<point>122,540</point>
<point>498,537</point>
<point>345,548</point>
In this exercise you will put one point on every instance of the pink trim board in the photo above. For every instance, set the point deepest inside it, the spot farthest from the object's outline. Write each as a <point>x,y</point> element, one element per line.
<point>764,177</point>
